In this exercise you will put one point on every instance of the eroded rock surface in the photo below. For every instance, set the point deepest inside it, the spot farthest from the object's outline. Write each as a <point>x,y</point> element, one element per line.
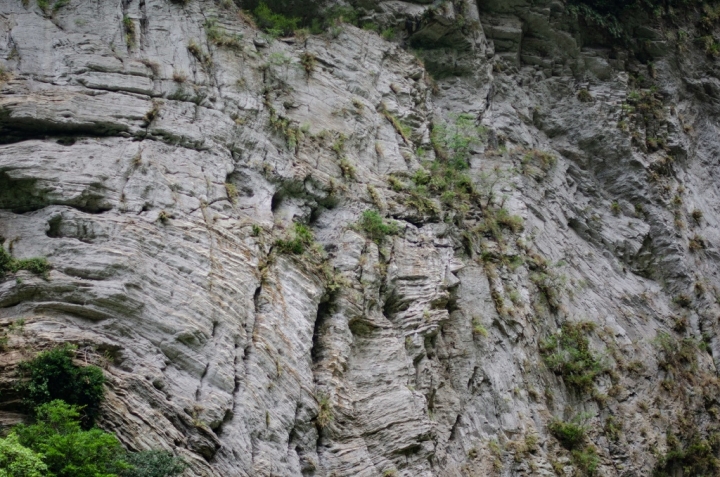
<point>156,170</point>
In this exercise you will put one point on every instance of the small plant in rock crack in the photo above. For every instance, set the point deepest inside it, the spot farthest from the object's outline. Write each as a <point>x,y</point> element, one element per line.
<point>696,457</point>
<point>130,32</point>
<point>298,240</point>
<point>453,141</point>
<point>568,354</point>
<point>402,129</point>
<point>550,286</point>
<point>375,227</point>
<point>195,50</point>
<point>219,37</point>
<point>478,329</point>
<point>347,168</point>
<point>571,434</point>
<point>232,192</point>
<point>309,62</point>
<point>584,96</point>
<point>697,215</point>
<point>696,243</point>
<point>677,355</point>
<point>325,411</point>
<point>152,113</point>
<point>36,265</point>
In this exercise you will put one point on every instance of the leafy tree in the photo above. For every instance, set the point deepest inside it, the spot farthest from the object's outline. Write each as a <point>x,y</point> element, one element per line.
<point>67,449</point>
<point>19,461</point>
<point>53,375</point>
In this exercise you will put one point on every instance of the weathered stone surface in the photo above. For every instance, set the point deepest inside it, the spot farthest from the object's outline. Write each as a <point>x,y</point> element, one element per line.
<point>157,181</point>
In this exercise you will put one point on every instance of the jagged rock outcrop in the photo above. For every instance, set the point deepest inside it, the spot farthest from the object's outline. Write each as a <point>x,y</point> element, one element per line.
<point>156,166</point>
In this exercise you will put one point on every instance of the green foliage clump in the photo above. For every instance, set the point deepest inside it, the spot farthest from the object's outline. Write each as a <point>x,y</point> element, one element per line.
<point>375,227</point>
<point>8,264</point>
<point>571,434</point>
<point>478,329</point>
<point>275,24</point>
<point>676,354</point>
<point>444,177</point>
<point>453,142</point>
<point>616,18</point>
<point>300,239</point>
<point>512,222</point>
<point>586,460</point>
<point>130,32</point>
<point>550,285</point>
<point>325,411</point>
<point>52,375</point>
<point>153,463</point>
<point>309,62</point>
<point>452,185</point>
<point>402,129</point>
<point>292,134</point>
<point>66,449</point>
<point>45,5</point>
<point>584,96</point>
<point>220,37</point>
<point>19,461</point>
<point>569,355</point>
<point>696,459</point>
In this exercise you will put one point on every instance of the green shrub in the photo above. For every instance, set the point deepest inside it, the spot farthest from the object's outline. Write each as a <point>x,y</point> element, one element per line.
<point>454,188</point>
<point>586,460</point>
<point>325,411</point>
<point>276,24</point>
<point>696,459</point>
<point>571,434</point>
<point>19,461</point>
<point>453,142</point>
<point>309,62</point>
<point>8,264</point>
<point>52,375</point>
<point>130,32</point>
<point>676,354</point>
<point>375,227</point>
<point>569,355</point>
<point>153,463</point>
<point>300,238</point>
<point>66,449</point>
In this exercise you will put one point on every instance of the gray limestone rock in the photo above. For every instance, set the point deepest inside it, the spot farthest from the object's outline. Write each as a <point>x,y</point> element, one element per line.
<point>161,174</point>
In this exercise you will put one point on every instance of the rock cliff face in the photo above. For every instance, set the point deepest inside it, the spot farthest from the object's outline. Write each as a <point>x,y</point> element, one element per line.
<point>156,152</point>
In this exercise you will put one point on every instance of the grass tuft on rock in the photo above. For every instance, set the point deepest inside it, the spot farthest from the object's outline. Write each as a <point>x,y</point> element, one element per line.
<point>375,227</point>
<point>36,265</point>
